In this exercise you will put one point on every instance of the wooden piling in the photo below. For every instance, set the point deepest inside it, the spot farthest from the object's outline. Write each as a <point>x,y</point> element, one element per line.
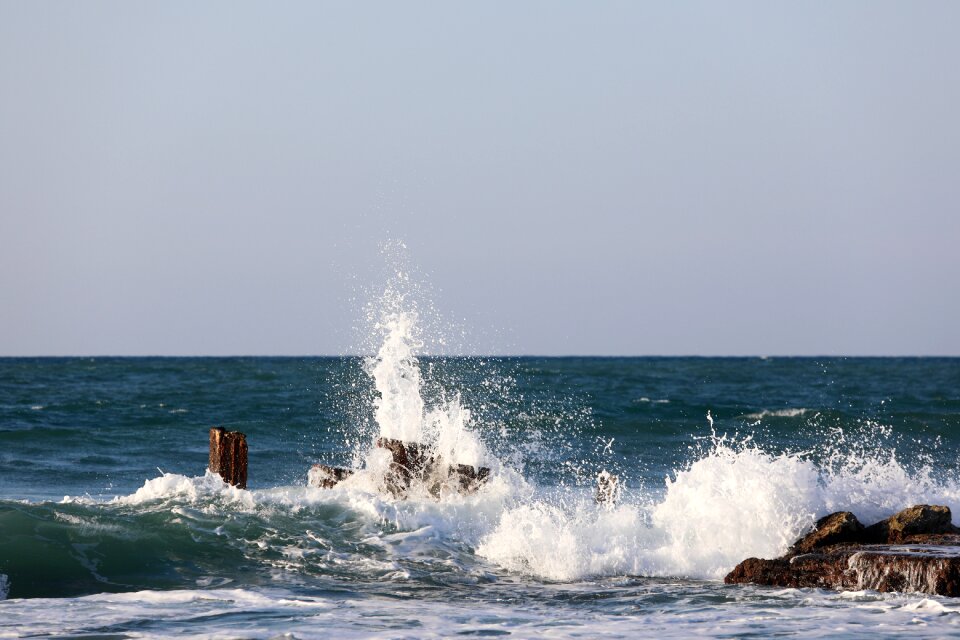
<point>228,456</point>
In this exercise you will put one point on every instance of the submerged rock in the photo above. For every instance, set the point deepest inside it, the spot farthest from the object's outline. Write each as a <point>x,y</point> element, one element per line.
<point>916,550</point>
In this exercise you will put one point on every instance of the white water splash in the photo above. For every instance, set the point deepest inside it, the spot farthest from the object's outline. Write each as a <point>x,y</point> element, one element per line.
<point>733,503</point>
<point>396,375</point>
<point>400,409</point>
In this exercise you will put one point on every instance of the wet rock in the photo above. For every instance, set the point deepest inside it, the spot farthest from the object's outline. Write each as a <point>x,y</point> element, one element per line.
<point>608,488</point>
<point>922,568</point>
<point>326,477</point>
<point>835,528</point>
<point>410,461</point>
<point>921,519</point>
<point>471,478</point>
<point>916,550</point>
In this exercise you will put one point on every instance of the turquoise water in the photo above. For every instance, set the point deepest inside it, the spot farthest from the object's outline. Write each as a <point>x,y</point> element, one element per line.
<point>109,527</point>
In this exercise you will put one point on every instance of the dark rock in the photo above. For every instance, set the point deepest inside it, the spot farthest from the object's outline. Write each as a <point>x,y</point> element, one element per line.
<point>326,477</point>
<point>835,528</point>
<point>916,550</point>
<point>471,478</point>
<point>918,568</point>
<point>608,488</point>
<point>921,519</point>
<point>228,456</point>
<point>410,462</point>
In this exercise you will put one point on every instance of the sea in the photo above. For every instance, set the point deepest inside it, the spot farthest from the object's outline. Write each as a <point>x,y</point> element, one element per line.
<point>112,527</point>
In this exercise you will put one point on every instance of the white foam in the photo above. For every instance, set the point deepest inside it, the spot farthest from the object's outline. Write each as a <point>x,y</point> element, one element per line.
<point>776,413</point>
<point>172,485</point>
<point>731,504</point>
<point>928,605</point>
<point>660,610</point>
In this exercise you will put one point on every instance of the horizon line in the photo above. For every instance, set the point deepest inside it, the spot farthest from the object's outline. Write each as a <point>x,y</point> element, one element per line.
<point>489,355</point>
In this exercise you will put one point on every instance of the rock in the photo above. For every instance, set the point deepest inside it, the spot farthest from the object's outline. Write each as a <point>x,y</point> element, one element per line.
<point>608,488</point>
<point>228,456</point>
<point>410,461</point>
<point>835,528</point>
<point>915,550</point>
<point>929,569</point>
<point>326,477</point>
<point>471,478</point>
<point>921,519</point>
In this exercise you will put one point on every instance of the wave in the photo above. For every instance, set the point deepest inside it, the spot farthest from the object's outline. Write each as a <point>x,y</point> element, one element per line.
<point>735,502</point>
<point>776,413</point>
<point>732,500</point>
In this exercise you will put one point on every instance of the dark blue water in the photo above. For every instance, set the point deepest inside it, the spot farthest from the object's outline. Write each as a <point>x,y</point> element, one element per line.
<point>873,432</point>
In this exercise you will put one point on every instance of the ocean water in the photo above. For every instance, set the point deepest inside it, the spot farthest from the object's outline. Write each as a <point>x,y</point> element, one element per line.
<point>110,527</point>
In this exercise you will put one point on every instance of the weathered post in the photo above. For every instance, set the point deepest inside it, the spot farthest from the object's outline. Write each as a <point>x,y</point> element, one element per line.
<point>228,456</point>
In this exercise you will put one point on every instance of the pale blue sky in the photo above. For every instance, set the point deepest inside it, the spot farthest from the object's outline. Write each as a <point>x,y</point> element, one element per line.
<point>589,178</point>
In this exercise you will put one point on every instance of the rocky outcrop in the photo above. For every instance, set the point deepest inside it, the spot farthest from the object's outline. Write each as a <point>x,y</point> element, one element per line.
<point>324,476</point>
<point>835,528</point>
<point>915,550</point>
<point>410,461</point>
<point>922,519</point>
<point>608,489</point>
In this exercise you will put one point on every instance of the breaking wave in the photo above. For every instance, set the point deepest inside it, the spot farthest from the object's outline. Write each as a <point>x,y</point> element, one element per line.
<point>732,500</point>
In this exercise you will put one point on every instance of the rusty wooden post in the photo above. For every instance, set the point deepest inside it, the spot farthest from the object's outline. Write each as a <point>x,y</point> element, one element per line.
<point>228,456</point>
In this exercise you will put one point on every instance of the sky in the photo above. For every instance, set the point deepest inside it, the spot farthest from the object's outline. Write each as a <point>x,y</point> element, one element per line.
<point>595,178</point>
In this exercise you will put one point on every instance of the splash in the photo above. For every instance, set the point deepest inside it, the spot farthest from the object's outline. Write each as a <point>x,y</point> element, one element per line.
<point>396,376</point>
<point>735,501</point>
<point>400,410</point>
